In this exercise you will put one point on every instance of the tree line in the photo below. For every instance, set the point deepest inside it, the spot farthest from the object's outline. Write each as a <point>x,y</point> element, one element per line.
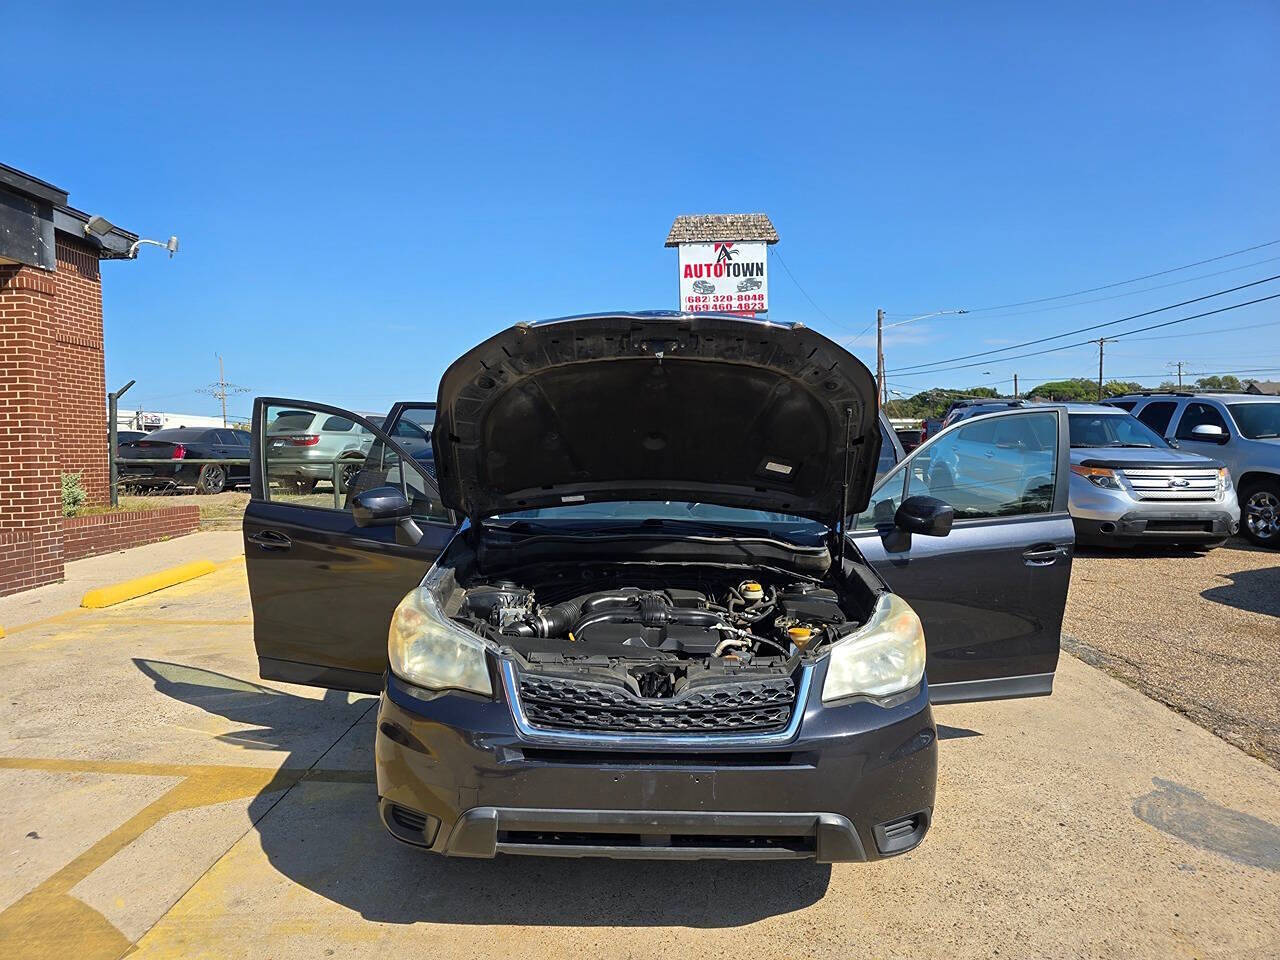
<point>932,403</point>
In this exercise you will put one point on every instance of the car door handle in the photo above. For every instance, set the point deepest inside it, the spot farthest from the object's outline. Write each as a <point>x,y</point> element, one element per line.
<point>1043,554</point>
<point>270,540</point>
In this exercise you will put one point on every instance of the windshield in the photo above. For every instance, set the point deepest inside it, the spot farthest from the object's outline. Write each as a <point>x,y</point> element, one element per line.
<point>660,511</point>
<point>1257,421</point>
<point>1111,430</point>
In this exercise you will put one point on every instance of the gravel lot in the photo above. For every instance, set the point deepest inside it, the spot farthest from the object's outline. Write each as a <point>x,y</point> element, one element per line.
<point>1197,631</point>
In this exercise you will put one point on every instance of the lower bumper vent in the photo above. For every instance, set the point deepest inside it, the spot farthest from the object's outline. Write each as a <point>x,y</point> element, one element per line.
<point>410,825</point>
<point>899,836</point>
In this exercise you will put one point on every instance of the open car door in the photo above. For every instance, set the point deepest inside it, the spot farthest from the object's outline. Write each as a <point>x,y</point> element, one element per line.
<point>324,587</point>
<point>409,423</point>
<point>992,592</point>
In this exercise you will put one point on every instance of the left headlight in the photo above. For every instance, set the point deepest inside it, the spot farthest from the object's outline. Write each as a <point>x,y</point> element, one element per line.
<point>884,656</point>
<point>429,650</point>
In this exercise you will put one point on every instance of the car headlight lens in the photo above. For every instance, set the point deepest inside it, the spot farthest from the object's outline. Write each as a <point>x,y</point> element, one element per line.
<point>1224,480</point>
<point>1098,476</point>
<point>429,650</point>
<point>884,656</point>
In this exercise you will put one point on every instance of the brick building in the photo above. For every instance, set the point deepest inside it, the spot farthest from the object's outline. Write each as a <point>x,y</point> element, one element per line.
<point>53,416</point>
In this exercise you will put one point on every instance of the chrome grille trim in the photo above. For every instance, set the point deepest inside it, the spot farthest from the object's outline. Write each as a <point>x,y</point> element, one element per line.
<point>647,740</point>
<point>1167,483</point>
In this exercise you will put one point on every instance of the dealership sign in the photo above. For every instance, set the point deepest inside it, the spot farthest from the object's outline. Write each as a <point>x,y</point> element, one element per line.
<point>724,277</point>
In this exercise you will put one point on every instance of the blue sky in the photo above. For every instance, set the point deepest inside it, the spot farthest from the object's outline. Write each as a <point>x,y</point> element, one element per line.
<point>362,193</point>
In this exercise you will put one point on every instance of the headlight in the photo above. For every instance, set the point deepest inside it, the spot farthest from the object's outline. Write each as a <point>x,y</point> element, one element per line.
<point>1224,480</point>
<point>429,650</point>
<point>885,656</point>
<point>1098,476</point>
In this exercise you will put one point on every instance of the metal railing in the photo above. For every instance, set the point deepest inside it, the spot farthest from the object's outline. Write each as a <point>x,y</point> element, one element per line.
<point>275,477</point>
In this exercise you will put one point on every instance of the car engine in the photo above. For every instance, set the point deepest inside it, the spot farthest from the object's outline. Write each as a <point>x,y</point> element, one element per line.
<point>742,622</point>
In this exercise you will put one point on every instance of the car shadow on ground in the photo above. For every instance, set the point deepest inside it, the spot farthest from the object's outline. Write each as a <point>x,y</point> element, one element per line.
<point>325,835</point>
<point>1256,591</point>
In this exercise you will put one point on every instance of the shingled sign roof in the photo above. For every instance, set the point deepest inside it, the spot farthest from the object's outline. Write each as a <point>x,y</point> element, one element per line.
<point>721,227</point>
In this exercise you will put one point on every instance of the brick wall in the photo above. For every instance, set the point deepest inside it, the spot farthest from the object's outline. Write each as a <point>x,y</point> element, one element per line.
<point>105,532</point>
<point>30,488</point>
<point>79,410</point>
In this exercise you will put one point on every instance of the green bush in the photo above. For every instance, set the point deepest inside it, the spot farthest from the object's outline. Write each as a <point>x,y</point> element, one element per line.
<point>73,495</point>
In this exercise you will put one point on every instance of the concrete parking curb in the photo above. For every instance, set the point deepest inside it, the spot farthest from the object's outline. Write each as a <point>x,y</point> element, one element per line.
<point>141,586</point>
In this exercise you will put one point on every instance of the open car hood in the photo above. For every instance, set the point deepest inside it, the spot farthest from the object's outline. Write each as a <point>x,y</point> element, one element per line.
<point>657,406</point>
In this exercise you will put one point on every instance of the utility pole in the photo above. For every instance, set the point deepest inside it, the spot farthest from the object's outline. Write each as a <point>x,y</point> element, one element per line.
<point>113,441</point>
<point>1101,341</point>
<point>880,356</point>
<point>222,389</point>
<point>1016,394</point>
<point>1179,365</point>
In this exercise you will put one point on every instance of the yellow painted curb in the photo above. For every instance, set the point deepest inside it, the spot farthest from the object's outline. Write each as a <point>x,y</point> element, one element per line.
<point>120,592</point>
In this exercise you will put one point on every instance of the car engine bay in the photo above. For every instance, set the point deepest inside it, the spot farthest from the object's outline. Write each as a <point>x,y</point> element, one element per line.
<point>657,630</point>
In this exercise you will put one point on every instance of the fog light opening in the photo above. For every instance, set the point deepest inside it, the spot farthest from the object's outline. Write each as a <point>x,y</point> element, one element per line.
<point>1108,527</point>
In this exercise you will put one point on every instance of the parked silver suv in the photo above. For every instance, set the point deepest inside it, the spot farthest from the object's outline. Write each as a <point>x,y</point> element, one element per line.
<point>1242,430</point>
<point>307,447</point>
<point>1129,486</point>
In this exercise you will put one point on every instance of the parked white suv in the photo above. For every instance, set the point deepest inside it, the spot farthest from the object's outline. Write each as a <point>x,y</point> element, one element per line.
<point>1240,429</point>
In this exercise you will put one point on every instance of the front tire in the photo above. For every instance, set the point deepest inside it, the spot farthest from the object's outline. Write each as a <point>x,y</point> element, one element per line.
<point>1260,513</point>
<point>212,479</point>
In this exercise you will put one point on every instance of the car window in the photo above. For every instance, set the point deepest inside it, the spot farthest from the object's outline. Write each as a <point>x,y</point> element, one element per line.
<point>1199,414</point>
<point>337,424</point>
<point>1257,421</point>
<point>999,467</point>
<point>1157,415</point>
<point>1111,430</point>
<point>883,504</point>
<point>888,452</point>
<point>384,467</point>
<point>242,437</point>
<point>286,421</point>
<point>1123,404</point>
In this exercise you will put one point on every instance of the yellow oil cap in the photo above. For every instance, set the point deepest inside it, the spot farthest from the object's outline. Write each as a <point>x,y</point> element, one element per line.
<point>751,590</point>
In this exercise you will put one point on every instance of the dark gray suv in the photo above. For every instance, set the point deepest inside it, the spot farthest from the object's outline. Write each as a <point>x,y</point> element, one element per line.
<point>648,606</point>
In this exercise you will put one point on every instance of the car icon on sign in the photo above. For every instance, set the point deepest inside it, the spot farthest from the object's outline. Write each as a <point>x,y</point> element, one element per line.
<point>701,286</point>
<point>751,283</point>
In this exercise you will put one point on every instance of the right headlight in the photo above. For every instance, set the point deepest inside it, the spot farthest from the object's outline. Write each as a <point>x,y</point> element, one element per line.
<point>429,650</point>
<point>884,656</point>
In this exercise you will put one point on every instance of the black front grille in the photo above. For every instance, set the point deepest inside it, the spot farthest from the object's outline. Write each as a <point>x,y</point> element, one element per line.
<point>753,705</point>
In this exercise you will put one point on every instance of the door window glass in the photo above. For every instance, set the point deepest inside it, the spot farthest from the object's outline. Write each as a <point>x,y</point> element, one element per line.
<point>883,504</point>
<point>997,467</point>
<point>384,467</point>
<point>1157,415</point>
<point>1199,414</point>
<point>888,453</point>
<point>311,457</point>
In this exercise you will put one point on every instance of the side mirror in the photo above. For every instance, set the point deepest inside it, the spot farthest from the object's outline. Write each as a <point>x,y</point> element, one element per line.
<point>380,507</point>
<point>927,516</point>
<point>1209,433</point>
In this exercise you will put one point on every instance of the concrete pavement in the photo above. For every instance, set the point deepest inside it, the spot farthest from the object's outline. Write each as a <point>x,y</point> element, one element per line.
<point>154,796</point>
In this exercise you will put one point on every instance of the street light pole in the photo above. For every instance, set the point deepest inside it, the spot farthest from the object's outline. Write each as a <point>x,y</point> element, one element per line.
<point>880,325</point>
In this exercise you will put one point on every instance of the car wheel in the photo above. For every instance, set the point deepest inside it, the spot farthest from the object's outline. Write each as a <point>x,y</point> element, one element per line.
<point>348,473</point>
<point>1260,513</point>
<point>212,479</point>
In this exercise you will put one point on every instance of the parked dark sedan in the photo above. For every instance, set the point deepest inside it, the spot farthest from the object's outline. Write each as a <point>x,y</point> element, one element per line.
<point>681,618</point>
<point>181,446</point>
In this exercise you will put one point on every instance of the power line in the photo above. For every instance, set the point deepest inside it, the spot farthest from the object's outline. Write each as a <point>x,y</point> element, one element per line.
<point>777,256</point>
<point>1095,326</point>
<point>1121,283</point>
<point>1202,333</point>
<point>1081,343</point>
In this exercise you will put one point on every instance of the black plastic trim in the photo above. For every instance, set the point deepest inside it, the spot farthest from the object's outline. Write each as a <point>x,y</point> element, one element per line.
<point>997,688</point>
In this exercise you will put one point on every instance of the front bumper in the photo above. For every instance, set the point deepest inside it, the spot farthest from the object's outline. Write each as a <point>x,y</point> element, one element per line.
<point>855,782</point>
<point>1115,516</point>
<point>1166,525</point>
